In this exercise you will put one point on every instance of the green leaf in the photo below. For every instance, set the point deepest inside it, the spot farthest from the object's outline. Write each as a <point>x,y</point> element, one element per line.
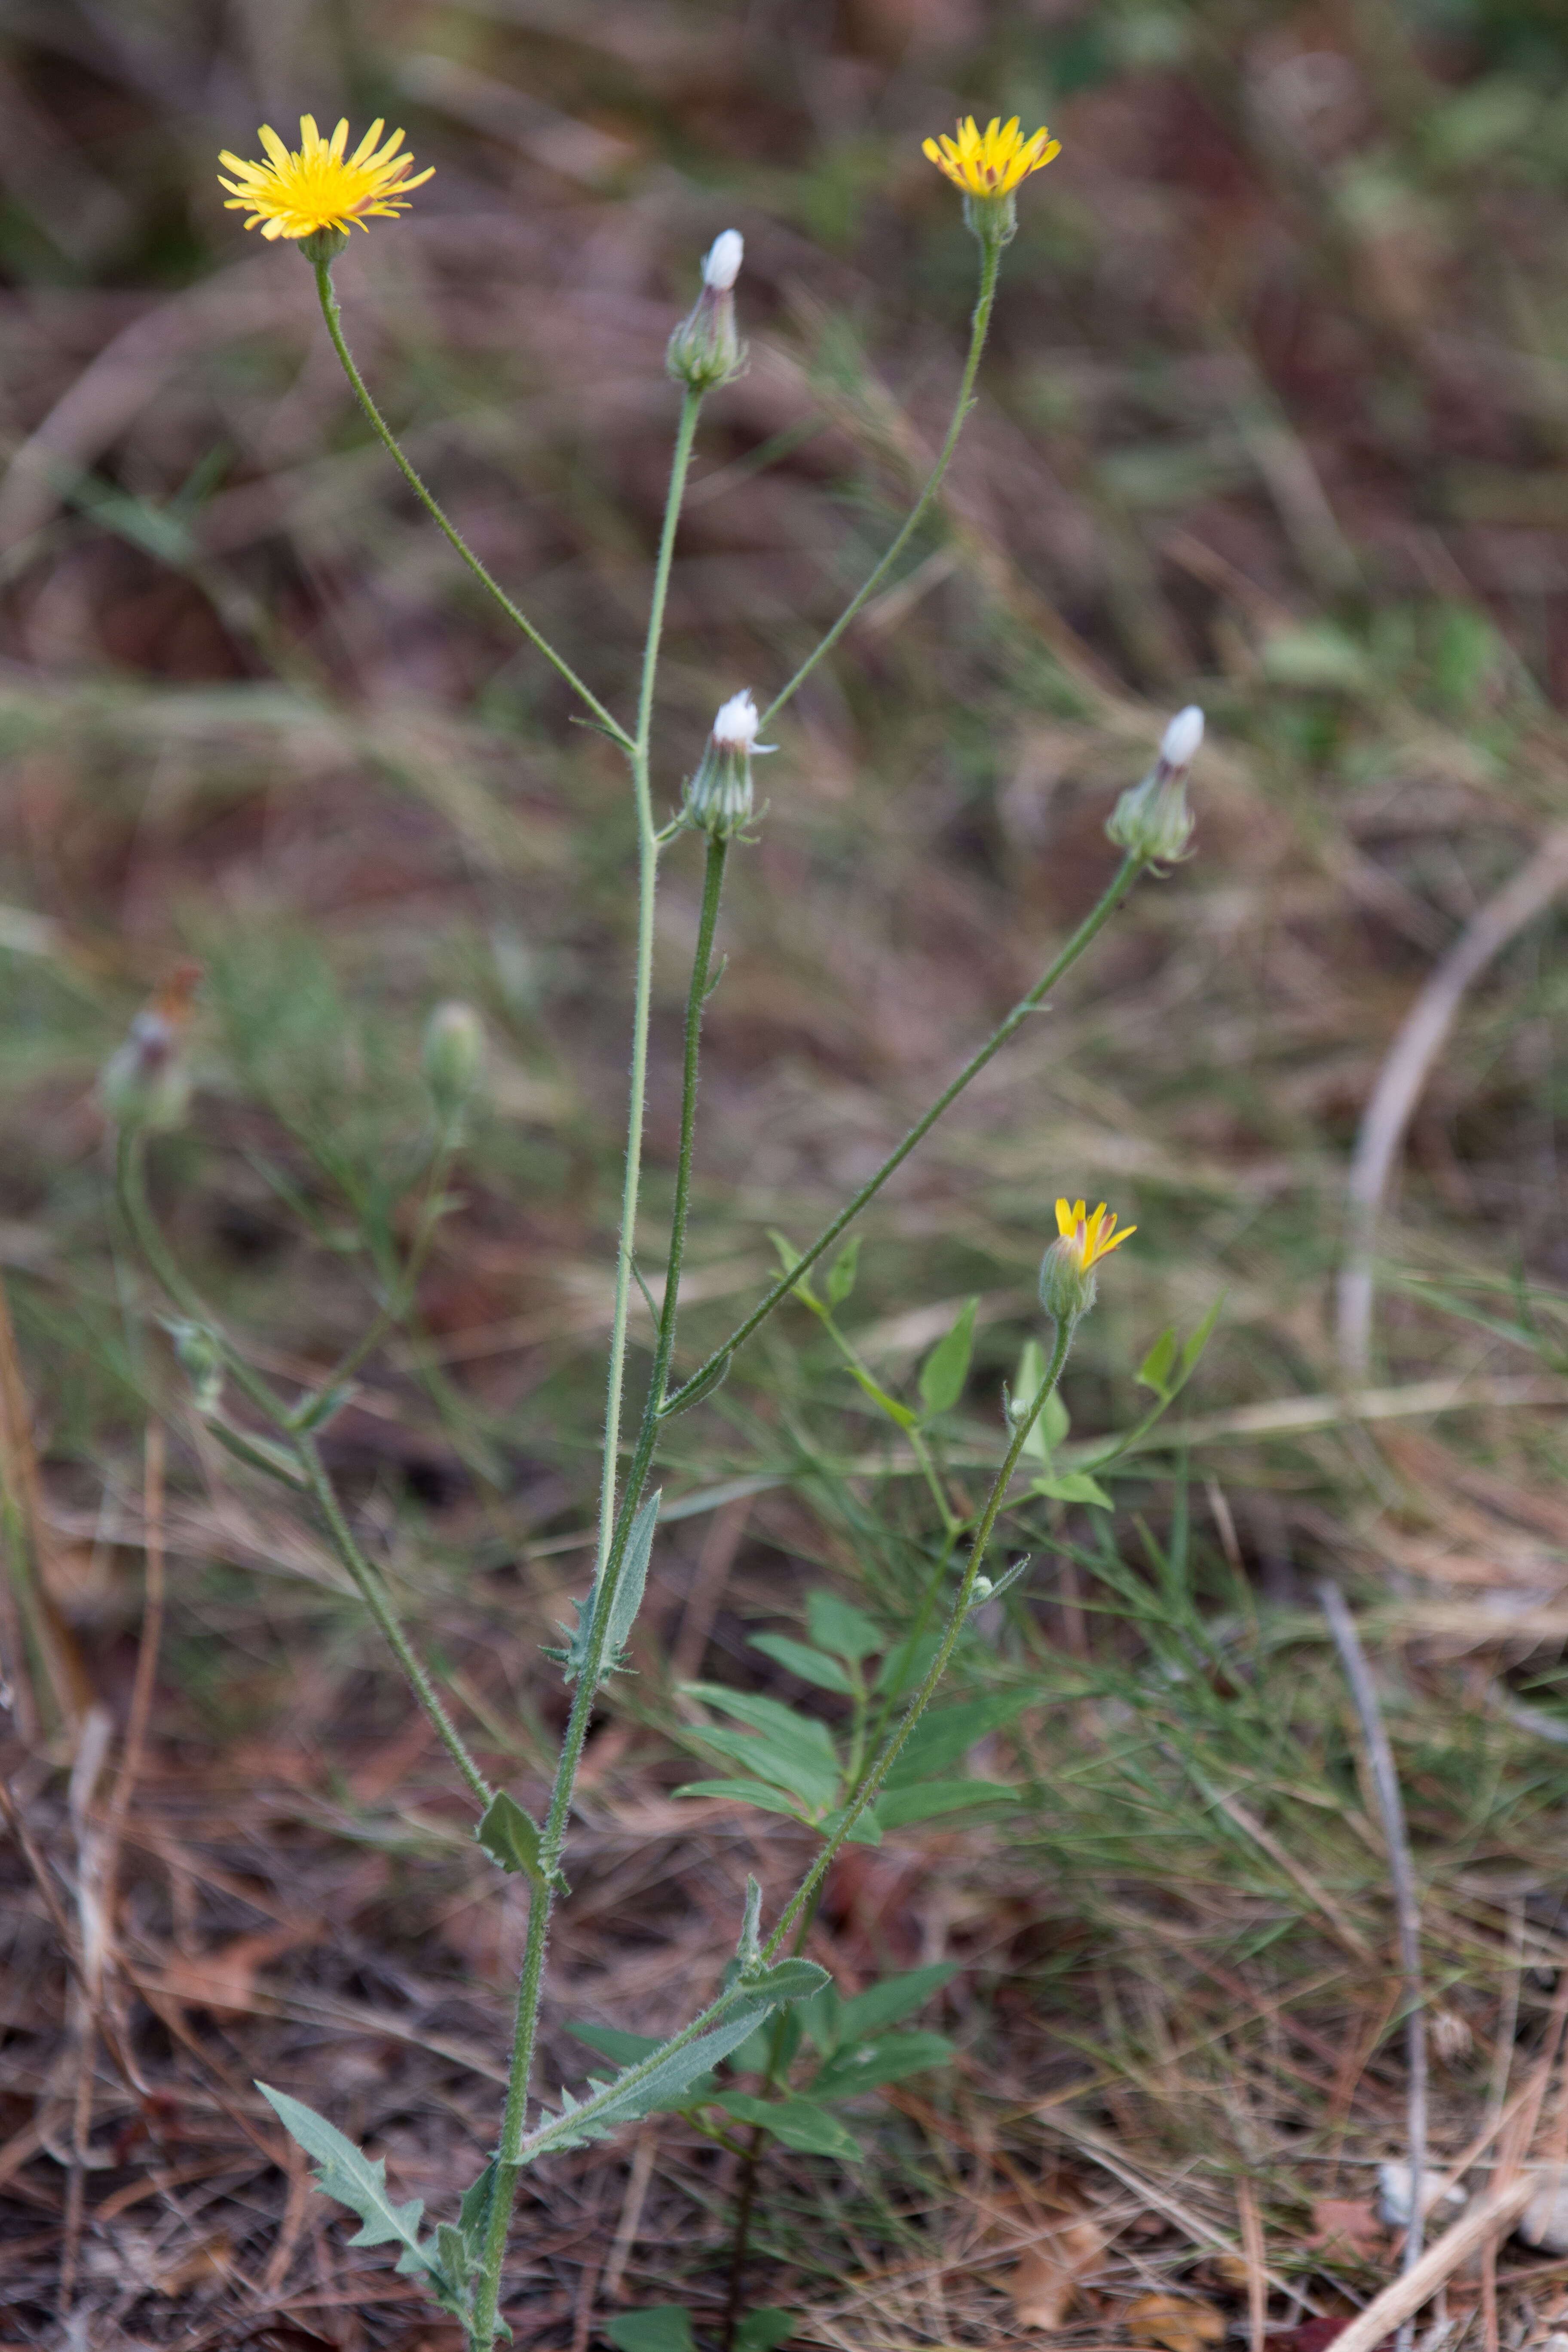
<point>837,1625</point>
<point>766,1798</point>
<point>867,1829</point>
<point>1073,1487</point>
<point>789,1258</point>
<point>625,2050</point>
<point>811,1666</point>
<point>902,1668</point>
<point>842,1272</point>
<point>1055,1421</point>
<point>945,1734</point>
<point>662,2327</point>
<point>345,2173</point>
<point>946,1369</point>
<point>763,2328</point>
<point>871,2063</point>
<point>779,1723</point>
<point>573,1658</point>
<point>899,1414</point>
<point>797,2122</point>
<point>620,2049</point>
<point>713,1377</point>
<point>791,1980</point>
<point>805,1777</point>
<point>510,1837</point>
<point>1154,1372</point>
<point>897,1808</point>
<point>882,2005</point>
<point>1024,1390</point>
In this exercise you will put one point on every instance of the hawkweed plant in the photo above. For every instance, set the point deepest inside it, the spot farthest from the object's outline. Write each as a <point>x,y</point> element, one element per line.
<point>886,1769</point>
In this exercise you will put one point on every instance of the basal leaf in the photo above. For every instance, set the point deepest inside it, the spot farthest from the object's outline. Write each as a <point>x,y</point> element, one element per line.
<point>807,1779</point>
<point>767,1799</point>
<point>763,2328</point>
<point>947,1733</point>
<point>882,2005</point>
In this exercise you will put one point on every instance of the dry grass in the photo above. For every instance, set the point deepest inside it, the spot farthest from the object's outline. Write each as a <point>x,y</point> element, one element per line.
<point>1272,419</point>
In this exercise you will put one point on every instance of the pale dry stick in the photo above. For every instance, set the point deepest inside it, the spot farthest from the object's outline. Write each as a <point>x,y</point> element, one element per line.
<point>85,1993</point>
<point>1253,2255</point>
<point>1404,1075</point>
<point>141,1710</point>
<point>1397,2305</point>
<point>1406,1904</point>
<point>1502,2062</point>
<point>626,2228</point>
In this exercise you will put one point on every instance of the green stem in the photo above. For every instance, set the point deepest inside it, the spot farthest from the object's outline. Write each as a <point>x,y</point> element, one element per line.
<point>1092,924</point>
<point>807,1890</point>
<point>372,1593</point>
<point>388,440</point>
<point>697,997</point>
<point>400,1282</point>
<point>990,265</point>
<point>611,1550</point>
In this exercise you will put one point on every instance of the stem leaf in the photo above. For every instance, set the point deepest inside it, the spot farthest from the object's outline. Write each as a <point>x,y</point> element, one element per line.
<point>511,1837</point>
<point>946,1369</point>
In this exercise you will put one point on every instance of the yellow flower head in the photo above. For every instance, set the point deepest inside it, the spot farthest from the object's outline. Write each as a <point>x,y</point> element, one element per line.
<point>1091,1237</point>
<point>320,187</point>
<point>993,164</point>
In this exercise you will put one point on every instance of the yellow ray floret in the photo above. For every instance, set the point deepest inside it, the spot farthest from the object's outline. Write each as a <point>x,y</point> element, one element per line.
<point>320,187</point>
<point>993,163</point>
<point>1092,1236</point>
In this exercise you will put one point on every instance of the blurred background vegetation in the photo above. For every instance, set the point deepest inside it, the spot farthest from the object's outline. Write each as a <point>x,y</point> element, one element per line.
<point>1275,418</point>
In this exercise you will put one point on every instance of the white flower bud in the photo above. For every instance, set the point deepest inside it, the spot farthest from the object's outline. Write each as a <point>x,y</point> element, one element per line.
<point>721,265</point>
<point>1178,744</point>
<point>719,796</point>
<point>453,1057</point>
<point>146,1082</point>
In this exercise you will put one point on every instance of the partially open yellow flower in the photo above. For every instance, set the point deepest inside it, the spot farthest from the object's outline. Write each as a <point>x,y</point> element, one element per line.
<point>1091,1237</point>
<point>322,187</point>
<point>993,164</point>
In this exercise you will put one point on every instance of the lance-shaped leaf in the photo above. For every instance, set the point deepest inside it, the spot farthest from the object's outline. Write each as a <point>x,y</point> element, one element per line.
<point>946,1369</point>
<point>624,1607</point>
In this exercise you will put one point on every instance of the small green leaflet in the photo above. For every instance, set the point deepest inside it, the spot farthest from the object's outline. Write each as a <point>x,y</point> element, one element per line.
<point>630,2050</point>
<point>345,2173</point>
<point>945,1734</point>
<point>897,1808</point>
<point>946,1369</point>
<point>837,1625</point>
<point>799,2123</point>
<point>760,1793</point>
<point>662,2327</point>
<point>842,1272</point>
<point>510,1837</point>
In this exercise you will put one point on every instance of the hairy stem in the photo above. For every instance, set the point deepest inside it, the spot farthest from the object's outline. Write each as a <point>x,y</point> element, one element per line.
<point>389,442</point>
<point>989,268</point>
<point>1092,924</point>
<point>611,1553</point>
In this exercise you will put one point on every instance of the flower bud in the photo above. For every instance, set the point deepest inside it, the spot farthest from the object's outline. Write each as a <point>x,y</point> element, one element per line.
<point>1152,822</point>
<point>705,350</point>
<point>323,244</point>
<point>146,1082</point>
<point>453,1058</point>
<point>201,1360</point>
<point>719,796</point>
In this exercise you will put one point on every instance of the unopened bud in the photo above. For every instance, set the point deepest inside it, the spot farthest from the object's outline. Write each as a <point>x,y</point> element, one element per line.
<point>705,350</point>
<point>323,244</point>
<point>201,1360</point>
<point>1152,822</point>
<point>722,263</point>
<point>1068,1288</point>
<point>453,1058</point>
<point>146,1082</point>
<point>719,796</point>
